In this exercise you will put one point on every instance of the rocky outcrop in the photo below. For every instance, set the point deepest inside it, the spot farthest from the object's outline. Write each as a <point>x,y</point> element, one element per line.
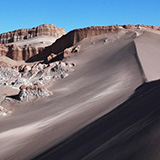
<point>22,53</point>
<point>130,26</point>
<point>31,79</point>
<point>22,34</point>
<point>19,53</point>
<point>68,52</point>
<point>15,52</point>
<point>71,51</point>
<point>3,50</point>
<point>51,57</point>
<point>28,93</point>
<point>66,41</point>
<point>32,74</point>
<point>7,73</point>
<point>75,36</point>
<point>25,52</point>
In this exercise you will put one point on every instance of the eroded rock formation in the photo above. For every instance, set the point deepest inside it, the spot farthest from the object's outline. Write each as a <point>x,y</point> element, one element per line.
<point>29,75</point>
<point>19,53</point>
<point>68,52</point>
<point>30,79</point>
<point>28,93</point>
<point>66,41</point>
<point>75,36</point>
<point>22,34</point>
<point>24,52</point>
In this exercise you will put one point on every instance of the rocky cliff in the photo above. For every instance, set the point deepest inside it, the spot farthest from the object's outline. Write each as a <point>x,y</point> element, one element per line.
<point>18,52</point>
<point>77,35</point>
<point>70,39</point>
<point>24,52</point>
<point>22,34</point>
<point>66,41</point>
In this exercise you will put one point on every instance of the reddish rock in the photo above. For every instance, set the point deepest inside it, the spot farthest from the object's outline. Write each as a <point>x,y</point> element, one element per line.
<point>19,53</point>
<point>77,35</point>
<point>67,52</point>
<point>70,51</point>
<point>51,57</point>
<point>25,52</point>
<point>21,67</point>
<point>66,41</point>
<point>23,87</point>
<point>35,87</point>
<point>76,49</point>
<point>22,34</point>
<point>3,50</point>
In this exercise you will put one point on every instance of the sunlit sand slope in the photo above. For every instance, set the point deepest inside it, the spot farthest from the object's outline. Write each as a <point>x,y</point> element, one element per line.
<point>148,49</point>
<point>106,74</point>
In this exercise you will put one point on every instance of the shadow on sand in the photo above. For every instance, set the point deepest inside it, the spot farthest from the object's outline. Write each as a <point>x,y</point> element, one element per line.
<point>99,140</point>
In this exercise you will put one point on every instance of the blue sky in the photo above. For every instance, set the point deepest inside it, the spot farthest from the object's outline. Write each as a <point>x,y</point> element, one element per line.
<point>72,14</point>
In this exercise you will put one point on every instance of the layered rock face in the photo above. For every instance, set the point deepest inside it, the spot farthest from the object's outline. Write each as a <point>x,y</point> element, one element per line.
<point>66,41</point>
<point>3,50</point>
<point>77,35</point>
<point>24,52</point>
<point>22,34</point>
<point>73,37</point>
<point>19,53</point>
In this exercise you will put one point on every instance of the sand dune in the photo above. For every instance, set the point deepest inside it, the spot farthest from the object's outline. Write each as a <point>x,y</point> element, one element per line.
<point>148,49</point>
<point>131,131</point>
<point>106,75</point>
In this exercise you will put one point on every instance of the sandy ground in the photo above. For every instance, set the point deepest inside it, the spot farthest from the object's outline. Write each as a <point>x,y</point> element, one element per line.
<point>10,61</point>
<point>148,49</point>
<point>130,132</point>
<point>40,41</point>
<point>106,74</point>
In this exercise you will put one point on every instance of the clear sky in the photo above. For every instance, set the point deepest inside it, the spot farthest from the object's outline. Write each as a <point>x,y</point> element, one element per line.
<point>72,14</point>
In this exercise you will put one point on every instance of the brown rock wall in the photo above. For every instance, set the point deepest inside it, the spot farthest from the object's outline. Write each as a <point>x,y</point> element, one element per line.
<point>22,34</point>
<point>66,41</point>
<point>19,53</point>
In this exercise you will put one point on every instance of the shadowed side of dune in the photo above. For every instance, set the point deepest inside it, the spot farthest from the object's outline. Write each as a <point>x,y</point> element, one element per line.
<point>124,133</point>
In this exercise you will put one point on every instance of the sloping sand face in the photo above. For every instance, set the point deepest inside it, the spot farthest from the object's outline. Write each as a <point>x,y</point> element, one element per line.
<point>129,132</point>
<point>40,41</point>
<point>148,49</point>
<point>106,74</point>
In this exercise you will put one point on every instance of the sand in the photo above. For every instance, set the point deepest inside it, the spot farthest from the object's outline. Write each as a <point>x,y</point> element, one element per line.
<point>106,75</point>
<point>148,49</point>
<point>128,132</point>
<point>40,41</point>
